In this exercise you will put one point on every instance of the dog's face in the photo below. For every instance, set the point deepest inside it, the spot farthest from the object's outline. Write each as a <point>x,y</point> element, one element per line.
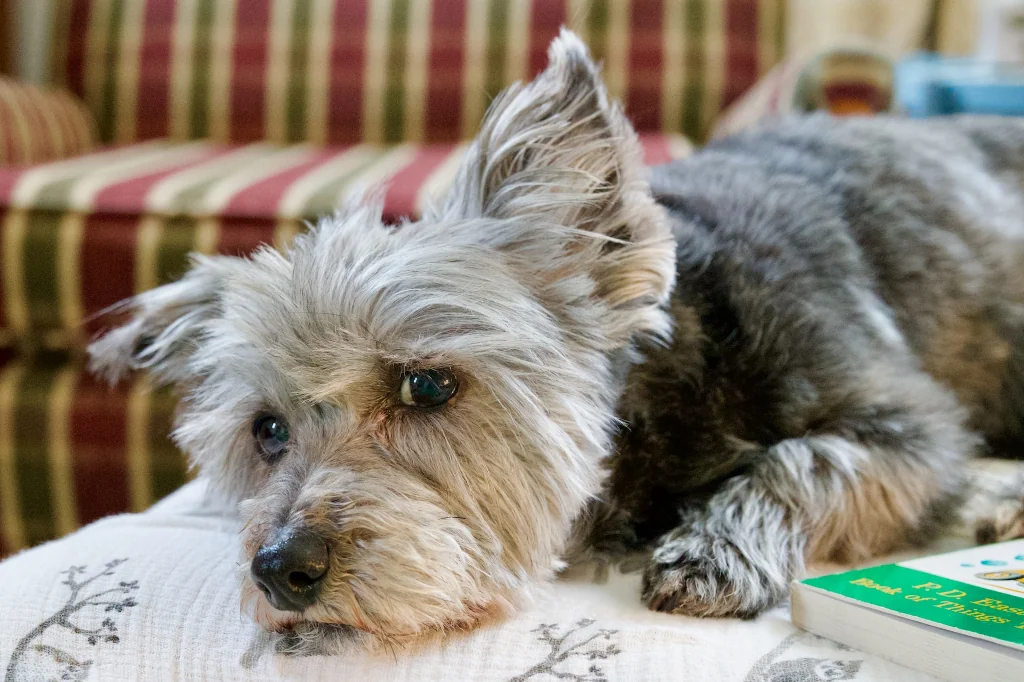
<point>412,418</point>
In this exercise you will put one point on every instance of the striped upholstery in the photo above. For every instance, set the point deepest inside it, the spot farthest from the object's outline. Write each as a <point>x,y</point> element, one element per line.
<point>389,71</point>
<point>79,235</point>
<point>41,124</point>
<point>73,450</point>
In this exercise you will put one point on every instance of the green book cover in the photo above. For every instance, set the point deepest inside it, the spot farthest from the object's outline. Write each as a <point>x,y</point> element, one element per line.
<point>978,592</point>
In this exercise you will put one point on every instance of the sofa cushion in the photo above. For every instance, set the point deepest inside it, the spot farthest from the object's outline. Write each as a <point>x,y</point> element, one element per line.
<point>81,234</point>
<point>156,596</point>
<point>389,71</point>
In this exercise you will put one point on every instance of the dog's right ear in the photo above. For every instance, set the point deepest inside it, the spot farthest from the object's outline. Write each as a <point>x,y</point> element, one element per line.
<point>165,326</point>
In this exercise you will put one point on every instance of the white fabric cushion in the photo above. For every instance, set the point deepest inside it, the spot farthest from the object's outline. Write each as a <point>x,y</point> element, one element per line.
<point>154,596</point>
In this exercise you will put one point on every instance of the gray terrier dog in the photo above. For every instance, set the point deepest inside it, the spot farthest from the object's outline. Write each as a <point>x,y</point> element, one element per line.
<point>778,350</point>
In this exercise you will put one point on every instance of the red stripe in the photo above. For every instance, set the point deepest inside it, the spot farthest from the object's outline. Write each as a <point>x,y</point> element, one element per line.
<point>741,53</point>
<point>98,434</point>
<point>107,263</point>
<point>655,149</point>
<point>400,198</point>
<point>129,196</point>
<point>260,199</point>
<point>249,70</point>
<point>643,95</point>
<point>444,85</point>
<point>347,62</point>
<point>547,18</point>
<point>78,35</point>
<point>8,180</point>
<point>153,78</point>
<point>240,235</point>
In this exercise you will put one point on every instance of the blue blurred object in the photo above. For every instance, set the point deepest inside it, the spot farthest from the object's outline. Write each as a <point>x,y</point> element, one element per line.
<point>932,85</point>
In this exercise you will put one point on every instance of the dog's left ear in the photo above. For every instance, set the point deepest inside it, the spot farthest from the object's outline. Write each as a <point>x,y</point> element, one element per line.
<point>559,161</point>
<point>165,325</point>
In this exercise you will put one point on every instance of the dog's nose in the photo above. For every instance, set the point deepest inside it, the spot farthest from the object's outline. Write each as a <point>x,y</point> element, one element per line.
<point>290,569</point>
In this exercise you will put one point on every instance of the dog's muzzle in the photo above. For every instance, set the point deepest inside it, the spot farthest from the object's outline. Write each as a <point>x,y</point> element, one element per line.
<point>290,568</point>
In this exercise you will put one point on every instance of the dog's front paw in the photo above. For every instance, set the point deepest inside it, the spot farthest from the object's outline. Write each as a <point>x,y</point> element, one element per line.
<point>698,575</point>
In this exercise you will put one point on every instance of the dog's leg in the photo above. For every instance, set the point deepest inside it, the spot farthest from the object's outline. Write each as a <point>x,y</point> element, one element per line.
<point>875,478</point>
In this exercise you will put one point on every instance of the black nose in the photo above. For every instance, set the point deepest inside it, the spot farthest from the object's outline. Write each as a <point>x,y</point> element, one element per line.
<point>290,569</point>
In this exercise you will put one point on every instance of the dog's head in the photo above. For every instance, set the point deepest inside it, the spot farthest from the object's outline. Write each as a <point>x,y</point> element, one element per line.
<point>411,418</point>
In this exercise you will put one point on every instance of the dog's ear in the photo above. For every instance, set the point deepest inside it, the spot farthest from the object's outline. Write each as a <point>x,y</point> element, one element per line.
<point>164,327</point>
<point>556,153</point>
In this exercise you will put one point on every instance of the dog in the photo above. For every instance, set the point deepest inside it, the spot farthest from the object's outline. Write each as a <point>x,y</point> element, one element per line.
<point>783,348</point>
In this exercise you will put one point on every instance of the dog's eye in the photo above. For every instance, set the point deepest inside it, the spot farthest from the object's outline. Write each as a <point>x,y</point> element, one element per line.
<point>428,387</point>
<point>271,434</point>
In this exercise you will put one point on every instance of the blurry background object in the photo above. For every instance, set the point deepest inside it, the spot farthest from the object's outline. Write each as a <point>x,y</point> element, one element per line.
<point>1001,37</point>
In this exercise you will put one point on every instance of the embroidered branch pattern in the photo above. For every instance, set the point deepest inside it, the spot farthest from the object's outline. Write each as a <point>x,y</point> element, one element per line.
<point>84,595</point>
<point>573,644</point>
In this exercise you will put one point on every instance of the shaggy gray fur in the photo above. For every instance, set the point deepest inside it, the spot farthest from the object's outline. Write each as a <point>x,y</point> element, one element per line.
<point>783,348</point>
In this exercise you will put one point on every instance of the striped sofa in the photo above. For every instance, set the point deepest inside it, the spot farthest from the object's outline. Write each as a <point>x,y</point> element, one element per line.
<point>221,124</point>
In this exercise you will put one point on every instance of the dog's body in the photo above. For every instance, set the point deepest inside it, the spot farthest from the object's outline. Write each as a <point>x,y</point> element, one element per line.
<point>777,350</point>
<point>849,296</point>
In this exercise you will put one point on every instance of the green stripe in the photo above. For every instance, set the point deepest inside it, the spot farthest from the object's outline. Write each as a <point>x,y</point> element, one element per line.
<point>693,91</point>
<point>394,91</point>
<point>32,462</point>
<point>597,28</point>
<point>108,99</point>
<point>168,467</point>
<point>301,33</point>
<point>780,31</point>
<point>176,242</point>
<point>39,263</point>
<point>199,106</point>
<point>325,199</point>
<point>497,47</point>
<point>933,598</point>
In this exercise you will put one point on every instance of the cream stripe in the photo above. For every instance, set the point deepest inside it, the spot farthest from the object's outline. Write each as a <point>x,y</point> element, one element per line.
<point>128,71</point>
<point>96,47</point>
<point>616,68</point>
<point>284,233</point>
<point>10,379</point>
<point>61,461</point>
<point>220,193</point>
<point>318,72</point>
<point>577,11</point>
<point>16,312</point>
<point>86,188</point>
<point>162,196</point>
<point>36,178</point>
<point>517,59</point>
<point>275,104</point>
<point>416,76</point>
<point>147,245</point>
<point>221,67</point>
<point>69,277</point>
<point>474,73</point>
<point>437,184</point>
<point>137,437</point>
<point>207,235</point>
<point>393,161</point>
<point>375,72</point>
<point>673,71</point>
<point>714,66</point>
<point>768,17</point>
<point>182,41</point>
<point>679,146</point>
<point>294,200</point>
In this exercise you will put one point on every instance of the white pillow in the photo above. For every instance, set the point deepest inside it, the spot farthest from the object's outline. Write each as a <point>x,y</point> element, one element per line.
<point>154,596</point>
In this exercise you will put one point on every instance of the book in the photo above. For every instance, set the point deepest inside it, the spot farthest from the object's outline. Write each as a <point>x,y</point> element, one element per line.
<point>956,616</point>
